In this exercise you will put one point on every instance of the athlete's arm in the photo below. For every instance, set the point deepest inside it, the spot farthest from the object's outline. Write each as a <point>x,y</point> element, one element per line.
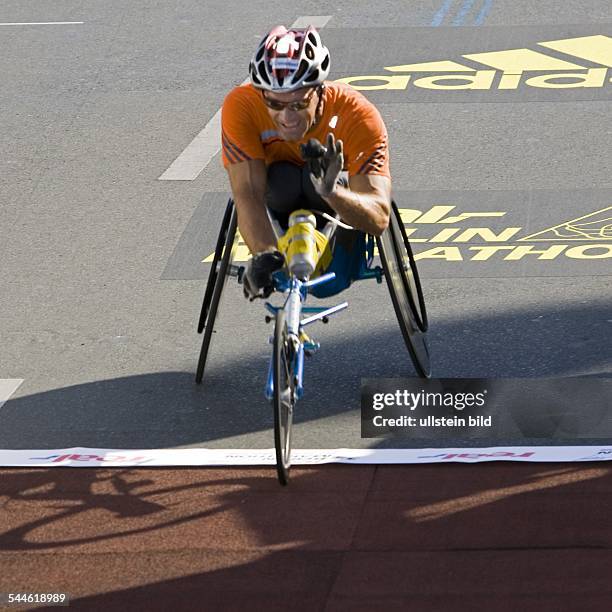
<point>366,204</point>
<point>248,181</point>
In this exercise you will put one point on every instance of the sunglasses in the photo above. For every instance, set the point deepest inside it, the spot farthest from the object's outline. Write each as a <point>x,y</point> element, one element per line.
<point>298,105</point>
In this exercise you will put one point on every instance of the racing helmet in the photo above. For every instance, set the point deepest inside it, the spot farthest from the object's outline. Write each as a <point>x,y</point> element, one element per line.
<point>287,60</point>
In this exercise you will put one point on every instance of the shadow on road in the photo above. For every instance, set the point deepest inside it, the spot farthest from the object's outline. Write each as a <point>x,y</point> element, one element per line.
<point>345,536</point>
<point>168,409</point>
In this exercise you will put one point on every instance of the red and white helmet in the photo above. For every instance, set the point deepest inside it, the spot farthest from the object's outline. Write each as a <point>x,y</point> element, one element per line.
<point>287,60</point>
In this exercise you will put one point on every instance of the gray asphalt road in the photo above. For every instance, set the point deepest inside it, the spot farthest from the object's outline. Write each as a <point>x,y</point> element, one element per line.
<point>499,117</point>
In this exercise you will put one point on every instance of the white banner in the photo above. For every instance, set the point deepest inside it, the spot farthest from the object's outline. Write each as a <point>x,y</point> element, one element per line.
<point>101,457</point>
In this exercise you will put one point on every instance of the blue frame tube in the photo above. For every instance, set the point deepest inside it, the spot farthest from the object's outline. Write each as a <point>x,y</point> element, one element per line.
<point>324,278</point>
<point>269,393</point>
<point>299,372</point>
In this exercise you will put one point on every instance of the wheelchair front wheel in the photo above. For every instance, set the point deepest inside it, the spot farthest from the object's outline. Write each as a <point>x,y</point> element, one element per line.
<point>283,360</point>
<point>405,291</point>
<point>224,253</point>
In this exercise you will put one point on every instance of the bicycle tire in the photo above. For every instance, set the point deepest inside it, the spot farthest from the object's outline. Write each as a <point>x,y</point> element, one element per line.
<point>284,397</point>
<point>398,283</point>
<point>219,283</point>
<point>213,274</point>
<point>412,274</point>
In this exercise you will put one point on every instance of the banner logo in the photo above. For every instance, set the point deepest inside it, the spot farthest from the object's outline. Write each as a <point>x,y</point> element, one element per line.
<point>91,458</point>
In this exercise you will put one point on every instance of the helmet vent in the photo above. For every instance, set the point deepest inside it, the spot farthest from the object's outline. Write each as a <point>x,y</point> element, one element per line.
<point>260,53</point>
<point>313,77</point>
<point>325,63</point>
<point>261,69</point>
<point>309,52</point>
<point>300,71</point>
<point>312,38</point>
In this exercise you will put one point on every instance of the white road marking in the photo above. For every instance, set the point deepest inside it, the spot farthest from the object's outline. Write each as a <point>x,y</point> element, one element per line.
<point>200,151</point>
<point>43,23</point>
<point>318,21</point>
<point>8,386</point>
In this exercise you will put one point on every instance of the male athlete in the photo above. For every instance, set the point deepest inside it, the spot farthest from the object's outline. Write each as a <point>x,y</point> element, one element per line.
<point>288,103</point>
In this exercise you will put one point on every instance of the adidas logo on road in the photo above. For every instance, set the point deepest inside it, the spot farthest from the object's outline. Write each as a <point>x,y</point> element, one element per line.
<point>505,70</point>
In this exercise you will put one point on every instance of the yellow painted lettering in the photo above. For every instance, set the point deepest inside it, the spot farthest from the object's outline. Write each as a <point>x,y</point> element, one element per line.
<point>242,254</point>
<point>595,77</point>
<point>409,215</point>
<point>516,61</point>
<point>550,253</point>
<point>596,48</point>
<point>471,215</point>
<point>509,81</point>
<point>482,79</point>
<point>484,253</point>
<point>584,251</point>
<point>385,82</point>
<point>486,234</point>
<point>444,66</point>
<point>435,213</point>
<point>410,233</point>
<point>446,253</point>
<point>445,235</point>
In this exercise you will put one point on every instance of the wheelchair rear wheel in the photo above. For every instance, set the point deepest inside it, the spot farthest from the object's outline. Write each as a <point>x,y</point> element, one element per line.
<point>405,290</point>
<point>283,361</point>
<point>224,253</point>
<point>415,293</point>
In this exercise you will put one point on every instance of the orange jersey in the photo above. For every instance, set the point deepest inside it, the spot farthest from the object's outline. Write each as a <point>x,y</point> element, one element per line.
<point>248,131</point>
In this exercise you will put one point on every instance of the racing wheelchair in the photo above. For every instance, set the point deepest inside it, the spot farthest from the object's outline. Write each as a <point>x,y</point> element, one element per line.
<point>290,342</point>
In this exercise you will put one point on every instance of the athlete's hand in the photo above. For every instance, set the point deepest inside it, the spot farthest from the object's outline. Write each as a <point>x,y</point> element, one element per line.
<point>326,182</point>
<point>257,280</point>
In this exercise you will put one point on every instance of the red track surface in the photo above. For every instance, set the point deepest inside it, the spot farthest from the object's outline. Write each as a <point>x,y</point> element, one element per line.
<point>500,536</point>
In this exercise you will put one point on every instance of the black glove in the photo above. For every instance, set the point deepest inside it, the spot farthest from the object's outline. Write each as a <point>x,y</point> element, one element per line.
<point>313,153</point>
<point>257,280</point>
<point>325,164</point>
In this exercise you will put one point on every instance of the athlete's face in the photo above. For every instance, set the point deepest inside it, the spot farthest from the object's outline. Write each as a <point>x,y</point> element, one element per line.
<point>293,113</point>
